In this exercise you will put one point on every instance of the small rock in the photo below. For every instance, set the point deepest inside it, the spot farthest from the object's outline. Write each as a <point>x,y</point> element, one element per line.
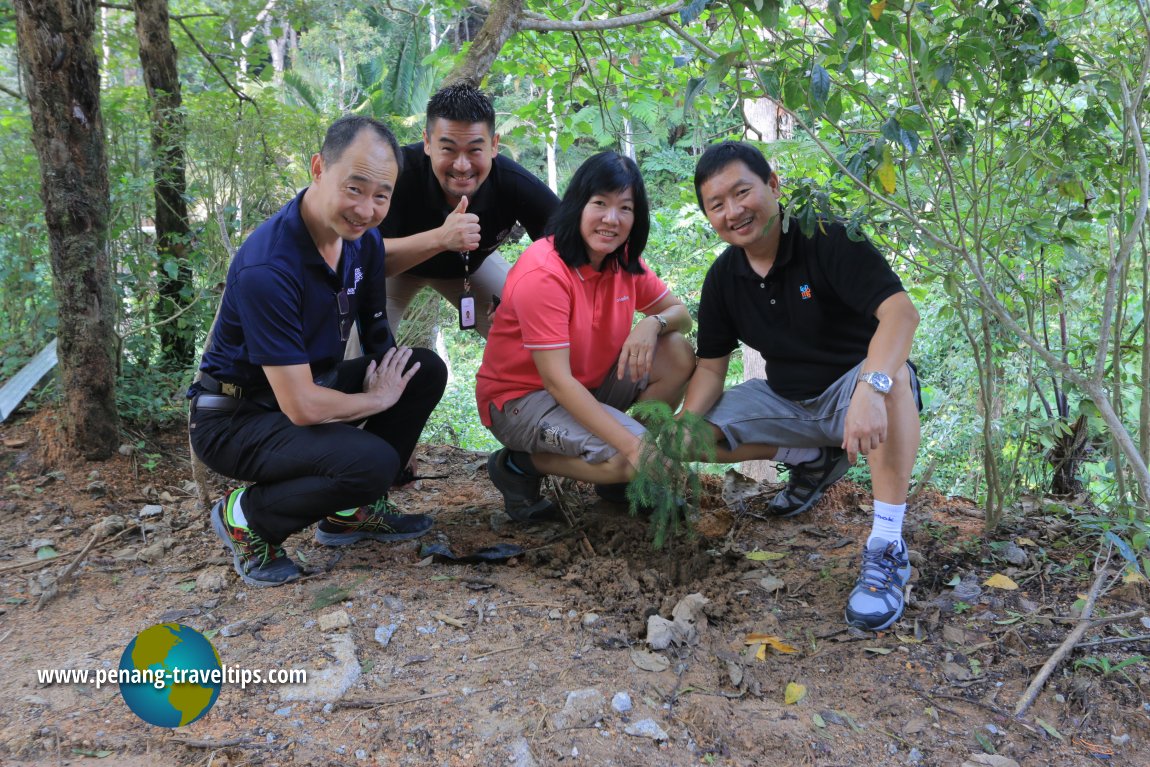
<point>337,619</point>
<point>329,683</point>
<point>39,543</point>
<point>968,590</point>
<point>126,449</point>
<point>914,757</point>
<point>1014,555</point>
<point>555,615</point>
<point>646,728</point>
<point>151,510</point>
<point>211,580</point>
<point>155,551</point>
<point>582,709</point>
<point>285,711</point>
<point>590,619</point>
<point>1120,740</point>
<point>383,634</point>
<point>234,629</point>
<point>520,755</point>
<point>360,754</point>
<point>989,760</point>
<point>621,702</point>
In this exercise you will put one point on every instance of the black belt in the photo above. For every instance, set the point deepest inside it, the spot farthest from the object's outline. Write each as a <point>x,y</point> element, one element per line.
<point>212,386</point>
<point>206,401</point>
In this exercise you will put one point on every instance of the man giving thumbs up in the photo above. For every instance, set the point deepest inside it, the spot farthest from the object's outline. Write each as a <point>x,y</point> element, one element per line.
<point>456,201</point>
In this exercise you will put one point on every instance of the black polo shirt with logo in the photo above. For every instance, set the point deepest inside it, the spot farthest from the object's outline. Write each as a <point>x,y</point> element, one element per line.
<point>508,195</point>
<point>811,317</point>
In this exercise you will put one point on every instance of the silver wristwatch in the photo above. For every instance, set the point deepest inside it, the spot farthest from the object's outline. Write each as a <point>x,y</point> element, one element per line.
<point>880,382</point>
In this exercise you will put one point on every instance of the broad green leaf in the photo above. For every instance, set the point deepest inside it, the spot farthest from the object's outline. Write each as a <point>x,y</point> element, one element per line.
<point>46,552</point>
<point>1050,729</point>
<point>692,10</point>
<point>820,85</point>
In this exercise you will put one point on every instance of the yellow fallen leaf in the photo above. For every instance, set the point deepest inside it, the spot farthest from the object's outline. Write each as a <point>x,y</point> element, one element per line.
<point>1000,581</point>
<point>1025,542</point>
<point>768,640</point>
<point>886,175</point>
<point>876,9</point>
<point>794,693</point>
<point>764,556</point>
<point>908,639</point>
<point>1133,576</point>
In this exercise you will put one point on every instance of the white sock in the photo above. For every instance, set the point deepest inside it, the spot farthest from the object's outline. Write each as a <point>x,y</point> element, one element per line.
<point>796,455</point>
<point>887,522</point>
<point>238,518</point>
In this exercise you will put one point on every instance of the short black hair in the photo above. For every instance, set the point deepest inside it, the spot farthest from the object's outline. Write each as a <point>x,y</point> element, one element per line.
<point>345,130</point>
<point>600,174</point>
<point>461,102</point>
<point>719,156</point>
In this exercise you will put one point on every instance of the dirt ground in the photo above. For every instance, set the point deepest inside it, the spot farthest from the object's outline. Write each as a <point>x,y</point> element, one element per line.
<point>523,662</point>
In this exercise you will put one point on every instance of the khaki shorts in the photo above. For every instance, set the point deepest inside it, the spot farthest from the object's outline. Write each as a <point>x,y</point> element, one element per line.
<point>536,423</point>
<point>753,414</point>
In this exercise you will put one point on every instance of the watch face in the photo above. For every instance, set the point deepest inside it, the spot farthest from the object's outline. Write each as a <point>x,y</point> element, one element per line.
<point>880,381</point>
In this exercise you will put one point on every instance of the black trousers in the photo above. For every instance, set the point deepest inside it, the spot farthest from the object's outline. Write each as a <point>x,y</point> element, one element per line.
<point>301,474</point>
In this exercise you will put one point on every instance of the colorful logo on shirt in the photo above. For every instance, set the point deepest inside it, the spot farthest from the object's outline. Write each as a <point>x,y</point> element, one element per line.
<point>805,291</point>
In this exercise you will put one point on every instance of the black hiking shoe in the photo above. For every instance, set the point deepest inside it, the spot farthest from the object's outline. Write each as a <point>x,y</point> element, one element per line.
<point>522,499</point>
<point>376,522</point>
<point>808,481</point>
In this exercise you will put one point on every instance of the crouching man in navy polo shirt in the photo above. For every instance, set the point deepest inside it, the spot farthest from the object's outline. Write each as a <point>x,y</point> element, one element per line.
<point>835,326</point>
<point>275,404</point>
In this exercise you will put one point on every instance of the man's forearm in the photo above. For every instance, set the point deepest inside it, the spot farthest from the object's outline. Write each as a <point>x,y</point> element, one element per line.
<point>403,253</point>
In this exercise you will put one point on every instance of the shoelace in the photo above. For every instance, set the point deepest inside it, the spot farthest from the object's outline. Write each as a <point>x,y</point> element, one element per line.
<point>879,568</point>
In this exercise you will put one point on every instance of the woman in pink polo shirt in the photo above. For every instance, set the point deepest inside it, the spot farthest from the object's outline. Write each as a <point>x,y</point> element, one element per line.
<point>565,357</point>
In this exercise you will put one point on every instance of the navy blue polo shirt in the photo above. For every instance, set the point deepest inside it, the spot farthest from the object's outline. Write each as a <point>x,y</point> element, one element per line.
<point>508,195</point>
<point>811,317</point>
<point>283,305</point>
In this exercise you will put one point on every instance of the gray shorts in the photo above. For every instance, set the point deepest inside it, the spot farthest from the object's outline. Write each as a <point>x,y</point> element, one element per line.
<point>753,414</point>
<point>535,422</point>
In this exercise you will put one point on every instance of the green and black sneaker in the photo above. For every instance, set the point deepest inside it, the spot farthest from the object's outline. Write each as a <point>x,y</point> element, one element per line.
<point>257,562</point>
<point>376,522</point>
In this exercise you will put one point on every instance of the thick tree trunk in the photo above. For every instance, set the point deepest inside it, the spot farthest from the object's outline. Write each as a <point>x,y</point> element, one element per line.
<point>57,51</point>
<point>162,77</point>
<point>502,22</point>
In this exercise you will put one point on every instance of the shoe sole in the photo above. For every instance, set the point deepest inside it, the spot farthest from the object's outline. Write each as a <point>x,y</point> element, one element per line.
<point>346,539</point>
<point>817,495</point>
<point>237,563</point>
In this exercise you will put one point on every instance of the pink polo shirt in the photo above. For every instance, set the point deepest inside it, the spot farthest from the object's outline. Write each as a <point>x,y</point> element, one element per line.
<point>548,305</point>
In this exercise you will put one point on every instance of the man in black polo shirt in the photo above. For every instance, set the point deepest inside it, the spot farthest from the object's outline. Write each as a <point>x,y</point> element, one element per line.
<point>276,406</point>
<point>835,326</point>
<point>456,202</point>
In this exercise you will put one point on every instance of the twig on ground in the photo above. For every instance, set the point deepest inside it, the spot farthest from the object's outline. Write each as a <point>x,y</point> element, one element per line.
<point>496,652</point>
<point>1111,640</point>
<point>1096,590</point>
<point>47,595</point>
<point>204,743</point>
<point>377,703</point>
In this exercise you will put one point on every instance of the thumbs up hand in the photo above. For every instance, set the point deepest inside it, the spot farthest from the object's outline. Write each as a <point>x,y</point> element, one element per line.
<point>460,230</point>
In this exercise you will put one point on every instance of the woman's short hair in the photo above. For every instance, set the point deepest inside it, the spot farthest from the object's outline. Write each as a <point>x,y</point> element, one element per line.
<point>600,174</point>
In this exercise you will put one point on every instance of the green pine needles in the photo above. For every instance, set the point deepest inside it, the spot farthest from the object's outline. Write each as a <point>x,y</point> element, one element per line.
<point>666,481</point>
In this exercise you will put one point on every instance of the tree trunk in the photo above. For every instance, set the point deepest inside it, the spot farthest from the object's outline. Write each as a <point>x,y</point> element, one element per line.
<point>158,59</point>
<point>502,22</point>
<point>56,40</point>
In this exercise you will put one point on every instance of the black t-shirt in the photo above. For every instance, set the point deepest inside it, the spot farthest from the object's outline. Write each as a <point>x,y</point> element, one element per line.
<point>811,317</point>
<point>509,194</point>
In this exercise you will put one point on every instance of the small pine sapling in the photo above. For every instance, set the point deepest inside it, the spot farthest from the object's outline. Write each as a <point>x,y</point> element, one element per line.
<point>667,480</point>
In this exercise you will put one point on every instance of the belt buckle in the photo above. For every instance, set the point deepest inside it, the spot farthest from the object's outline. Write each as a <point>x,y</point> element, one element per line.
<point>231,390</point>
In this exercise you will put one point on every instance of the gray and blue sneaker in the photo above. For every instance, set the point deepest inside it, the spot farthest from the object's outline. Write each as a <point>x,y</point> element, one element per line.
<point>378,522</point>
<point>877,599</point>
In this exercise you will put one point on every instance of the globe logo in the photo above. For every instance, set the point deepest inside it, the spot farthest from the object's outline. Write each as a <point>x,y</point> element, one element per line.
<point>170,675</point>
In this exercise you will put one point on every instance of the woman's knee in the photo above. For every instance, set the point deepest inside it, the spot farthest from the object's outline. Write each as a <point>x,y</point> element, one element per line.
<point>674,357</point>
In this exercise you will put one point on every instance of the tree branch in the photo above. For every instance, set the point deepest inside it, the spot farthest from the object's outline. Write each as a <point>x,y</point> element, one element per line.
<point>685,35</point>
<point>617,22</point>
<point>208,57</point>
<point>10,92</point>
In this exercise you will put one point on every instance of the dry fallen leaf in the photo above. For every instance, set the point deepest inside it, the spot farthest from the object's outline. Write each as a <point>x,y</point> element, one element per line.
<point>768,640</point>
<point>794,693</point>
<point>1024,542</point>
<point>649,661</point>
<point>1000,581</point>
<point>764,556</point>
